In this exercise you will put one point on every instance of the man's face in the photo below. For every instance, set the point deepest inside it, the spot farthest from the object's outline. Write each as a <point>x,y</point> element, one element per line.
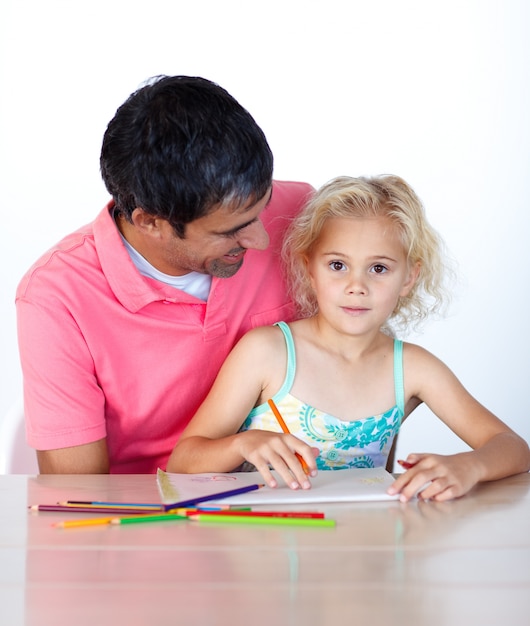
<point>214,244</point>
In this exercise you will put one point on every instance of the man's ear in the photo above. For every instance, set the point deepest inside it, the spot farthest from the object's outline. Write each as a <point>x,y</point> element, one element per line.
<point>145,222</point>
<point>411,279</point>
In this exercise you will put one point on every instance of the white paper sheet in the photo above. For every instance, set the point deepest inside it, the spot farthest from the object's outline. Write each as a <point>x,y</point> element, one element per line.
<point>348,485</point>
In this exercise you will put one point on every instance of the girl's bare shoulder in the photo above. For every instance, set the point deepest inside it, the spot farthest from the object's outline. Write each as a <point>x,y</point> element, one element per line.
<point>423,368</point>
<point>418,355</point>
<point>263,334</point>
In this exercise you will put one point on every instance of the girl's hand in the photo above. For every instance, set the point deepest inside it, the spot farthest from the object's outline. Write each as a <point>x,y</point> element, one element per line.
<point>265,449</point>
<point>437,477</point>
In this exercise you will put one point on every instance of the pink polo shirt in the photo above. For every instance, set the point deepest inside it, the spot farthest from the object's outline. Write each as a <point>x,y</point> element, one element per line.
<point>107,352</point>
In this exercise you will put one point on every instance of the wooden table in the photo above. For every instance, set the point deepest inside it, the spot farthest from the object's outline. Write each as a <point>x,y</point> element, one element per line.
<point>461,562</point>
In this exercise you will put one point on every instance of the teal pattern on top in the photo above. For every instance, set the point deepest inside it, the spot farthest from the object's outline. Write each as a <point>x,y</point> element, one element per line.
<point>362,443</point>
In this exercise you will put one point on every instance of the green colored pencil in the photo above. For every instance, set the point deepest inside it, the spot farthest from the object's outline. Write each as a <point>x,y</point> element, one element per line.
<point>163,517</point>
<point>279,521</point>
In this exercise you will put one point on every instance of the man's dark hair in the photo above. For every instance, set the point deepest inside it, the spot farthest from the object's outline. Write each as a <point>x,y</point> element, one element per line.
<point>180,145</point>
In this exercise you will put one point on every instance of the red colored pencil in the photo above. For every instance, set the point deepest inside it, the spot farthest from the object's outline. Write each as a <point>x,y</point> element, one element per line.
<point>406,464</point>
<point>293,514</point>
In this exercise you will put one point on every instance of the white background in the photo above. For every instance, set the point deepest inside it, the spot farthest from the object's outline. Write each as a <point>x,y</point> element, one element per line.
<point>437,92</point>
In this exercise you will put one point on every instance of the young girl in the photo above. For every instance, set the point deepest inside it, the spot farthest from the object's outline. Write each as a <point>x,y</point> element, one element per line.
<point>362,257</point>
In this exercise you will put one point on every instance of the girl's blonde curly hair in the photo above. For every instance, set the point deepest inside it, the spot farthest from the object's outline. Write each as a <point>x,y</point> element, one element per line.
<point>381,196</point>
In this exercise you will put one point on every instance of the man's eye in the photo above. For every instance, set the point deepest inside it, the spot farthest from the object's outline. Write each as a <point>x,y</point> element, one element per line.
<point>337,266</point>
<point>379,269</point>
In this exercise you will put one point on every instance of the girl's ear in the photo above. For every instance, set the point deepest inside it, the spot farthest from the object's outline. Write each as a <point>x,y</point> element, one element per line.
<point>411,279</point>
<point>306,262</point>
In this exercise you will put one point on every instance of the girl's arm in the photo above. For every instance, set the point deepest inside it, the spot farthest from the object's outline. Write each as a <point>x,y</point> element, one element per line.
<point>497,451</point>
<point>253,372</point>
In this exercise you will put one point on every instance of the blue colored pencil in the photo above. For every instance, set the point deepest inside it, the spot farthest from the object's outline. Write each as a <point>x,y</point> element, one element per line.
<point>213,496</point>
<point>134,505</point>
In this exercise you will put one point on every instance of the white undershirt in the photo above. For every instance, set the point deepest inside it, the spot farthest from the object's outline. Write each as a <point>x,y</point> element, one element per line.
<point>193,283</point>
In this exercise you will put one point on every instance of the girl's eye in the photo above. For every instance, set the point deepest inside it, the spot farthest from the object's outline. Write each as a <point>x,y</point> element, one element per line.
<point>337,266</point>
<point>379,269</point>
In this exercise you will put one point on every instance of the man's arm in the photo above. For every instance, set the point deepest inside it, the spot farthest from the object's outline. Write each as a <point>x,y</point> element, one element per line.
<point>63,403</point>
<point>90,458</point>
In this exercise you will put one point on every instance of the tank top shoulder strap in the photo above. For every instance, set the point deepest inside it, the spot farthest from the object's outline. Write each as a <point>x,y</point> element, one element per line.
<point>399,384</point>
<point>291,359</point>
<point>289,373</point>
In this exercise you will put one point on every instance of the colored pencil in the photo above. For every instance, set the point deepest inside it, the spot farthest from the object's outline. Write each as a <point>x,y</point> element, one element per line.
<point>279,521</point>
<point>59,508</point>
<point>405,464</point>
<point>76,523</point>
<point>195,509</point>
<point>213,496</point>
<point>136,505</point>
<point>288,514</point>
<point>283,426</point>
<point>221,507</point>
<point>163,517</point>
<point>154,506</point>
<point>113,505</point>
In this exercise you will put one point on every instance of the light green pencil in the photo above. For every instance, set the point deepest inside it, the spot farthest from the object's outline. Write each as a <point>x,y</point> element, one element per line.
<point>138,519</point>
<point>278,521</point>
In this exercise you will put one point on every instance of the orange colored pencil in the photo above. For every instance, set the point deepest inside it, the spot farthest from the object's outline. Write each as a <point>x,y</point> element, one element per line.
<point>283,426</point>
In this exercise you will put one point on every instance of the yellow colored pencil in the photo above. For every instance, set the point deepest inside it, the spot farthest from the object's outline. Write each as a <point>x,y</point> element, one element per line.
<point>76,523</point>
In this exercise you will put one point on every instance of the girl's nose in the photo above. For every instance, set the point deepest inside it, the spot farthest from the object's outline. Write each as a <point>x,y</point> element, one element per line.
<point>356,286</point>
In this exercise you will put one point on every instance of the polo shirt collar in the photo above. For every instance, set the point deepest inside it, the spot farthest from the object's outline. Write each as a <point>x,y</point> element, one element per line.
<point>133,290</point>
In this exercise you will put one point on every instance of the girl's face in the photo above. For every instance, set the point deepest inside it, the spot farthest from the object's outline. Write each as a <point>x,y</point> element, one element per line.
<point>359,269</point>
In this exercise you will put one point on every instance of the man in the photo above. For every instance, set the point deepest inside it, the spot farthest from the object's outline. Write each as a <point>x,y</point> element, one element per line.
<point>124,324</point>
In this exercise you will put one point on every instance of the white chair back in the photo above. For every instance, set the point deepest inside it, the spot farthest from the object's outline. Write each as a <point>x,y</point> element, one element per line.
<point>16,457</point>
